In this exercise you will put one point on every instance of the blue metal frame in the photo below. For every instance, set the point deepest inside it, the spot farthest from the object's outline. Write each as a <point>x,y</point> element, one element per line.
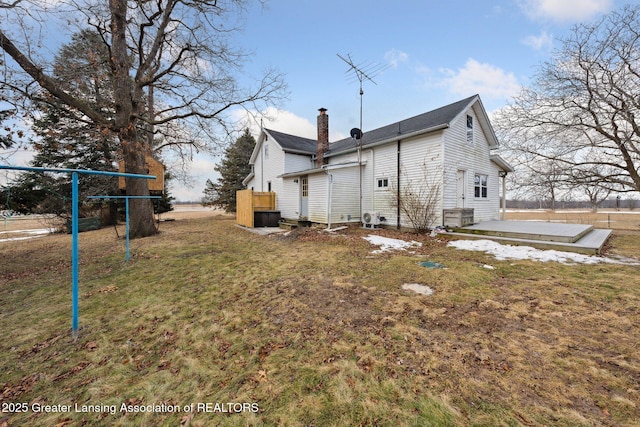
<point>74,224</point>
<point>126,203</point>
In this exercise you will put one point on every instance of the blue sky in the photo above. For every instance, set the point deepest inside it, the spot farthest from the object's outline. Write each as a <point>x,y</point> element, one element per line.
<point>434,52</point>
<point>437,51</point>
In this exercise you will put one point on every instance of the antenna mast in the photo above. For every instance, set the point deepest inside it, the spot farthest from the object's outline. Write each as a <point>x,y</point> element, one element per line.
<point>362,72</point>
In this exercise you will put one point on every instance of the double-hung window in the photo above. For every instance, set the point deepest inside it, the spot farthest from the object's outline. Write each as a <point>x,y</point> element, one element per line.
<point>480,186</point>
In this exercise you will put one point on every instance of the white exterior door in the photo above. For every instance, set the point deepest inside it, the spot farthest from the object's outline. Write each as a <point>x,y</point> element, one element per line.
<point>461,185</point>
<point>304,197</point>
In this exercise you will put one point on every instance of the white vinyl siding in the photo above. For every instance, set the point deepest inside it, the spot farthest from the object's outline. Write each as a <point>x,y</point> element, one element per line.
<point>288,199</point>
<point>385,164</point>
<point>296,163</point>
<point>318,190</point>
<point>345,202</point>
<point>474,159</point>
<point>421,158</point>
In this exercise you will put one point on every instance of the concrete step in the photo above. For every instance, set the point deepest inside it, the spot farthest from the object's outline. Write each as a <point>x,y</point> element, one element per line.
<point>529,230</point>
<point>287,225</point>
<point>590,244</point>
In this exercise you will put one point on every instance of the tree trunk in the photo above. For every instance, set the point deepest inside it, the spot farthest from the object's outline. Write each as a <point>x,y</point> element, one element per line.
<point>127,102</point>
<point>141,222</point>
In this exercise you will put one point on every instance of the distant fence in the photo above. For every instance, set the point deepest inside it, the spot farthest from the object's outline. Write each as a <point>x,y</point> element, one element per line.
<point>605,218</point>
<point>249,201</point>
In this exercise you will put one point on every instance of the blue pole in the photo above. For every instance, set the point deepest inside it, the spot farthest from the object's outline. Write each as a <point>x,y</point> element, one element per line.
<point>126,204</point>
<point>74,224</point>
<point>126,198</point>
<point>74,253</point>
<point>83,171</point>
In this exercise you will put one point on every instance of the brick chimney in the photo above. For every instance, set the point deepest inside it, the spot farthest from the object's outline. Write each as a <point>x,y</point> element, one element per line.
<point>323,137</point>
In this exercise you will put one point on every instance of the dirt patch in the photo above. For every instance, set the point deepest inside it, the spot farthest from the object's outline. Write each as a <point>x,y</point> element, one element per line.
<point>326,307</point>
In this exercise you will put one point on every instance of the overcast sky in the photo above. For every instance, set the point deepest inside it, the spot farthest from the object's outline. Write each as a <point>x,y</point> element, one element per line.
<point>424,54</point>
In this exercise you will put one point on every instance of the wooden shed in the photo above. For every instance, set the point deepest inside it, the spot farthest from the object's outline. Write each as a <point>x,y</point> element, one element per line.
<point>256,209</point>
<point>154,167</point>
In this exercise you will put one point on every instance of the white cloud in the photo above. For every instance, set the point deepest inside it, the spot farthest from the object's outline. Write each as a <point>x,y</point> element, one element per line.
<point>283,121</point>
<point>273,118</point>
<point>484,79</point>
<point>288,122</point>
<point>543,41</point>
<point>565,10</point>
<point>395,56</point>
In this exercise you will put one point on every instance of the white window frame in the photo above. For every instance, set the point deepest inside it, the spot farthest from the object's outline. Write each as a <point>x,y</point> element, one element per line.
<point>382,184</point>
<point>481,186</point>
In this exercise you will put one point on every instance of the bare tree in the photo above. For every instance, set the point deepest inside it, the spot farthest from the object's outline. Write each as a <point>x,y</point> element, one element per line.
<point>582,111</point>
<point>177,49</point>
<point>418,199</point>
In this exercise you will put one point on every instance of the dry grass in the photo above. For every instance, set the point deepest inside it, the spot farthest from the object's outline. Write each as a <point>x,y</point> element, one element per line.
<point>316,330</point>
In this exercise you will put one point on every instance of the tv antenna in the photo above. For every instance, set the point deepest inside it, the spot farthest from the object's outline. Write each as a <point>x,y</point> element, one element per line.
<point>362,72</point>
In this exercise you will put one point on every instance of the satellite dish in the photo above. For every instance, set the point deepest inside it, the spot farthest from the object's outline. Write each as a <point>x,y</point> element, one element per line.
<point>356,133</point>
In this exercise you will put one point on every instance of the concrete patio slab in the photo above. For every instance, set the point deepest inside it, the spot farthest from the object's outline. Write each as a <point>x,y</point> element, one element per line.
<point>578,238</point>
<point>530,230</point>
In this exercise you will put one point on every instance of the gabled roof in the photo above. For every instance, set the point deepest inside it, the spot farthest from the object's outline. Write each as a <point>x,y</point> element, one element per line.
<point>289,144</point>
<point>439,118</point>
<point>431,121</point>
<point>294,144</point>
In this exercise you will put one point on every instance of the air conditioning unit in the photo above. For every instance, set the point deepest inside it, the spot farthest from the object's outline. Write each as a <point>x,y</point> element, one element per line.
<point>371,219</point>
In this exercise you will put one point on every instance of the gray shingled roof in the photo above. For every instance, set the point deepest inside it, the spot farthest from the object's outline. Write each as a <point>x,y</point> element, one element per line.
<point>294,144</point>
<point>440,116</point>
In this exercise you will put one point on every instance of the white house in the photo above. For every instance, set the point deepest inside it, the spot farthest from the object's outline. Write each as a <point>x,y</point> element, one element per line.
<point>450,148</point>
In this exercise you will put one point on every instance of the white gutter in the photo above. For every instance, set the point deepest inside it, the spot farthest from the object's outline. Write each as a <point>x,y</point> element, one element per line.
<point>324,169</point>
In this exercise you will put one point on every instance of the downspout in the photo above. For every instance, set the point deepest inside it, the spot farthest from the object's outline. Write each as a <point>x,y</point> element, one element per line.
<point>373,178</point>
<point>398,187</point>
<point>503,175</point>
<point>329,199</point>
<point>262,166</point>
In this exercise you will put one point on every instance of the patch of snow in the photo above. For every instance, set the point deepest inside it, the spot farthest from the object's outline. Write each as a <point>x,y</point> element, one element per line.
<point>488,267</point>
<point>387,244</point>
<point>331,230</point>
<point>33,233</point>
<point>415,287</point>
<point>504,252</point>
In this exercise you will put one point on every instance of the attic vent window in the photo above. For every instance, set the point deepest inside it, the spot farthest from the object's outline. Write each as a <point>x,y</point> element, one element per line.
<point>266,150</point>
<point>469,130</point>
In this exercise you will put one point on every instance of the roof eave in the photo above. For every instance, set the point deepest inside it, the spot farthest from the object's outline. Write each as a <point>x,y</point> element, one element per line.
<point>294,151</point>
<point>248,178</point>
<point>324,168</point>
<point>502,163</point>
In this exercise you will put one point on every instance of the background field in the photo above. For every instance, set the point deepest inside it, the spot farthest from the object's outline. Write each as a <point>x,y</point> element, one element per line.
<point>315,329</point>
<point>604,218</point>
